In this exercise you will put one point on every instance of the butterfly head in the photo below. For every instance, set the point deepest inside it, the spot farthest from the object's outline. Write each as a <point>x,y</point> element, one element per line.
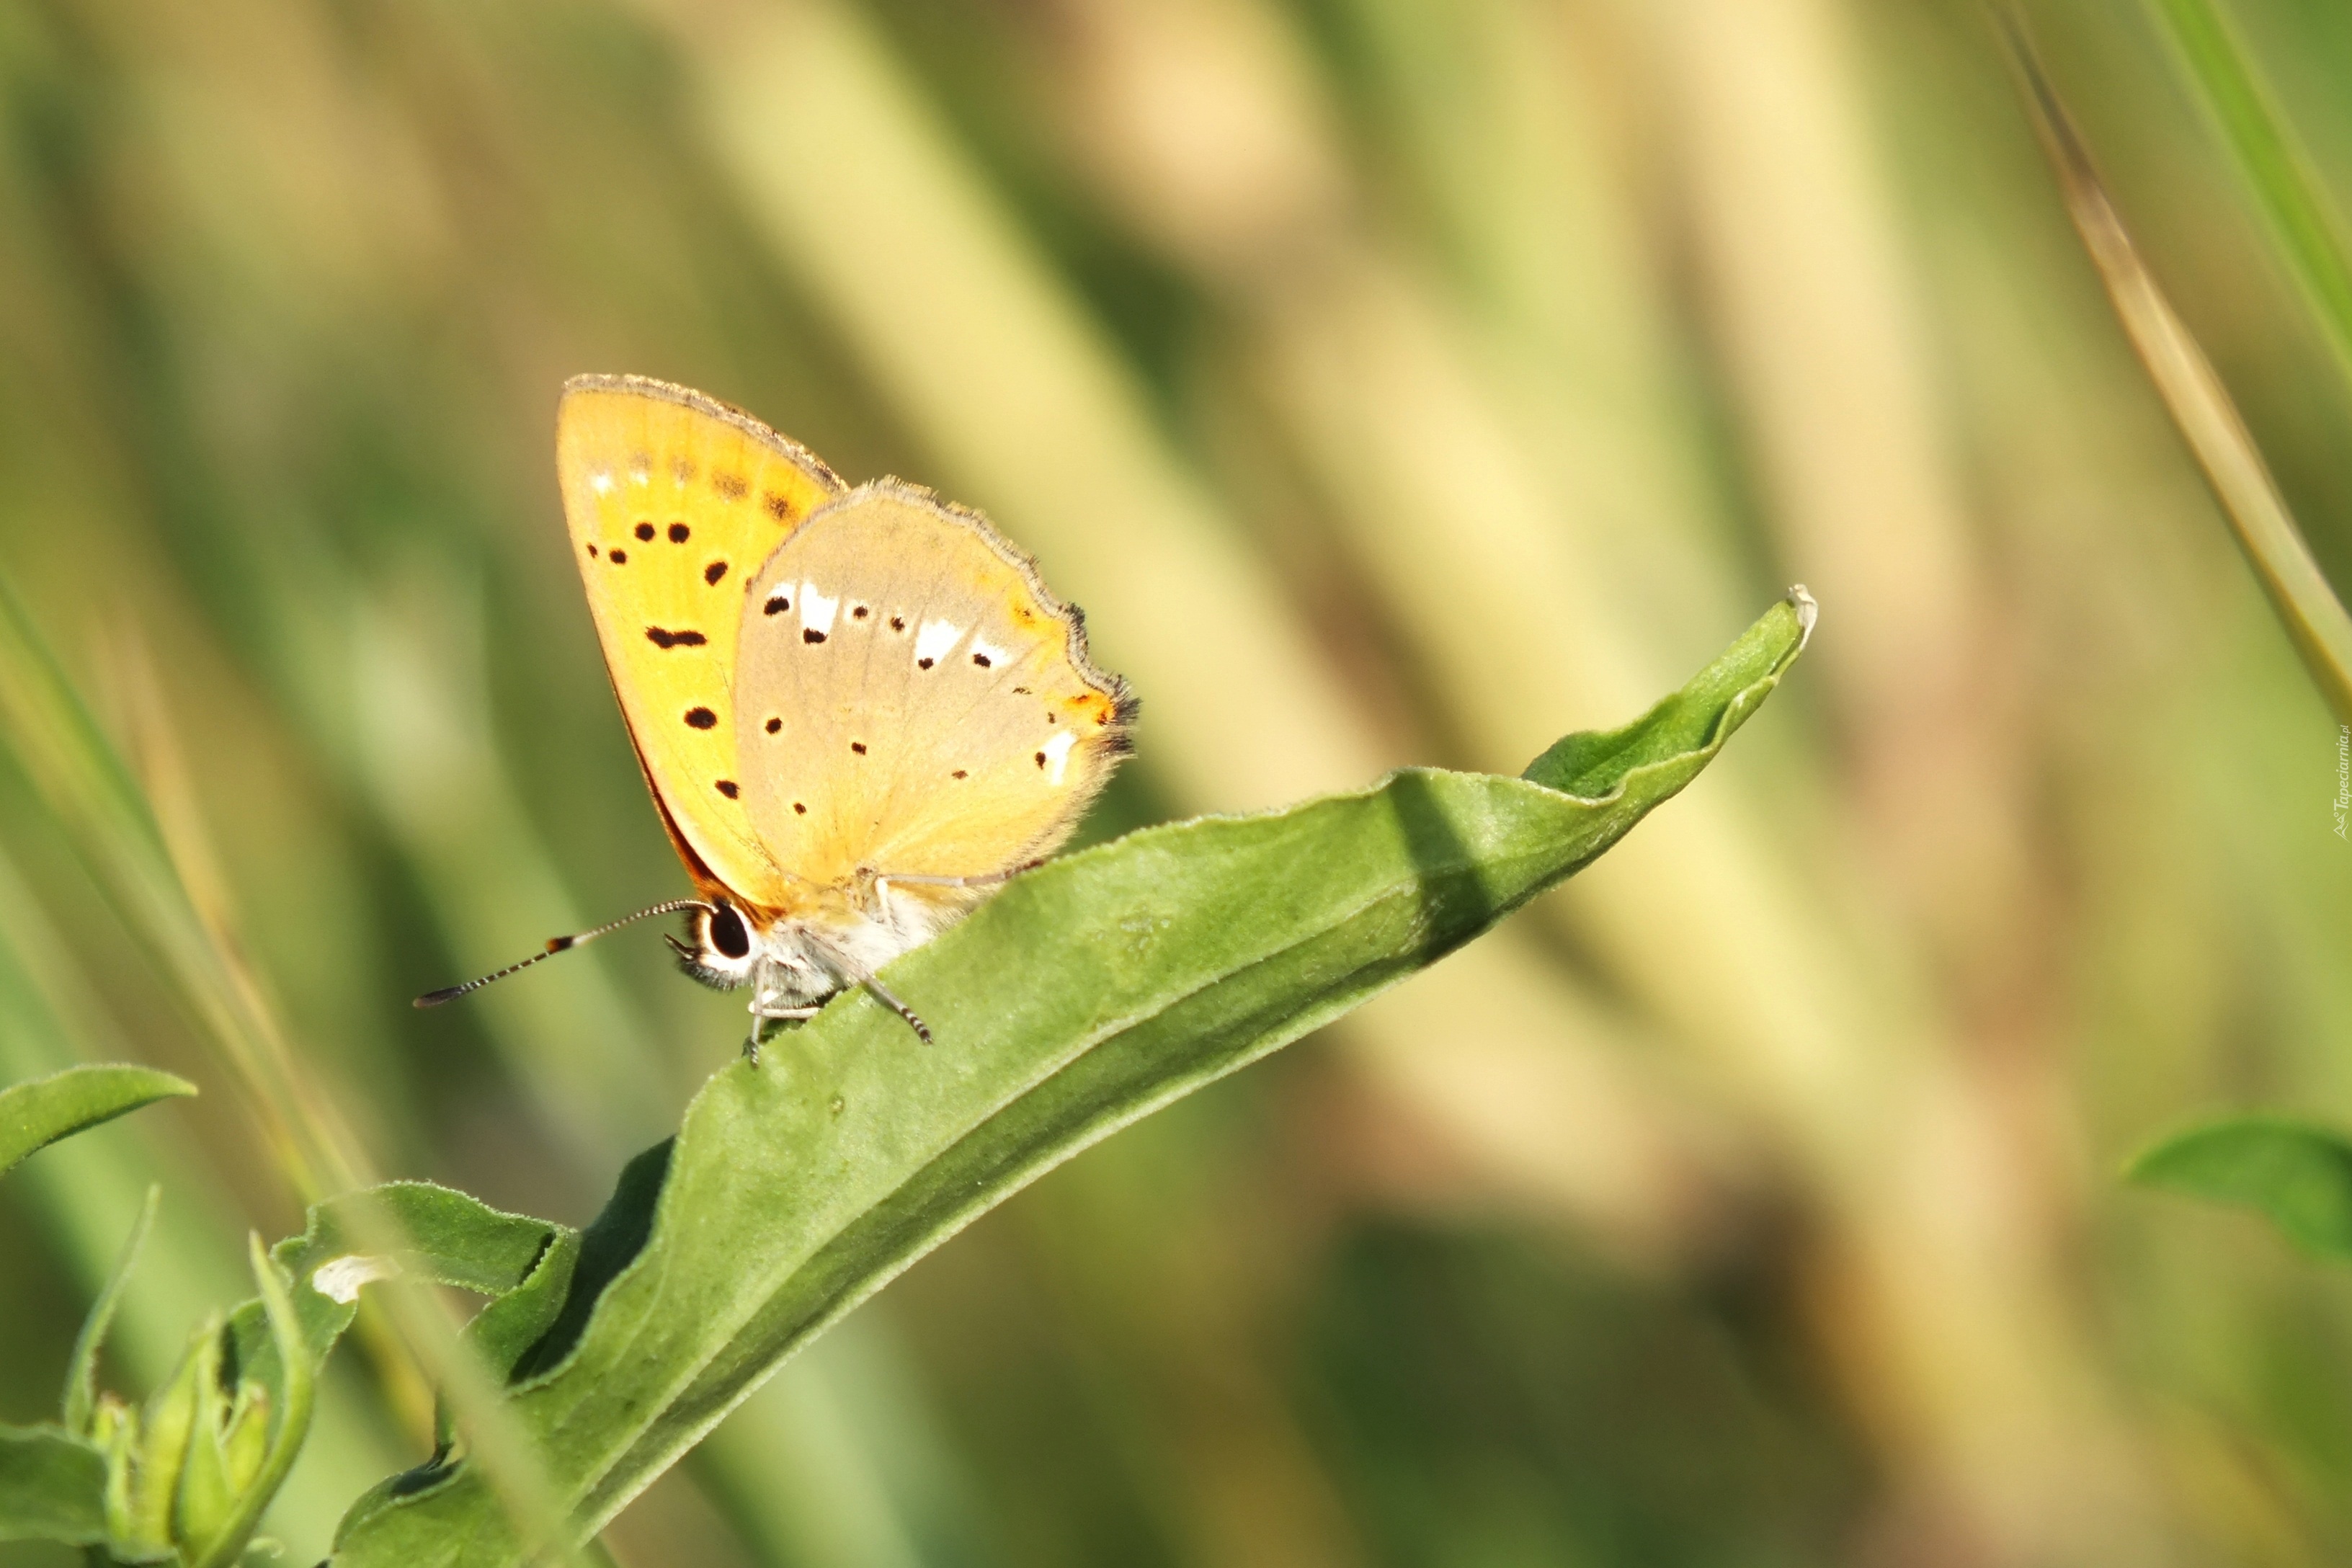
<point>728,946</point>
<point>721,949</point>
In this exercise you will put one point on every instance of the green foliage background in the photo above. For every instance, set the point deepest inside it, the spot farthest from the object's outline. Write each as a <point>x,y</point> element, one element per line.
<point>1394,381</point>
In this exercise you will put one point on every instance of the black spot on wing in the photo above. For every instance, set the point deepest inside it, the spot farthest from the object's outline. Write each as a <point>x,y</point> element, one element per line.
<point>660,638</point>
<point>645,530</point>
<point>715,570</point>
<point>857,746</point>
<point>729,788</point>
<point>679,533</point>
<point>810,634</point>
<point>773,725</point>
<point>776,605</point>
<point>618,557</point>
<point>704,719</point>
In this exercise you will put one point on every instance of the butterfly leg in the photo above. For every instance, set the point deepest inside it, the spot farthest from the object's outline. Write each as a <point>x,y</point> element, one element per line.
<point>882,995</point>
<point>882,880</point>
<point>858,974</point>
<point>764,1008</point>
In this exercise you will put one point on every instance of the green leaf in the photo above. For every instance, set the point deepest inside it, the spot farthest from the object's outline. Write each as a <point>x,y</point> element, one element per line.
<point>81,1375</point>
<point>414,1228</point>
<point>2298,1173</point>
<point>52,1487</point>
<point>419,1231</point>
<point>38,1112</point>
<point>1087,995</point>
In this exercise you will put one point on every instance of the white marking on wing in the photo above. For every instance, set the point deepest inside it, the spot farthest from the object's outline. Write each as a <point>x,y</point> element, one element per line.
<point>1058,754</point>
<point>602,481</point>
<point>984,650</point>
<point>816,610</point>
<point>935,638</point>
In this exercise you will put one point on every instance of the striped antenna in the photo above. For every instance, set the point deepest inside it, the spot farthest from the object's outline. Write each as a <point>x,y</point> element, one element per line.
<point>554,945</point>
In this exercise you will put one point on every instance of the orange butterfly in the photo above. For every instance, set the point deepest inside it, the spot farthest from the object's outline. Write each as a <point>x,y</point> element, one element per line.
<point>859,710</point>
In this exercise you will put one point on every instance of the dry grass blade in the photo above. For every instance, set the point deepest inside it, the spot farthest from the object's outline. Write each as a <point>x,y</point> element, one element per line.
<point>2200,404</point>
<point>2305,227</point>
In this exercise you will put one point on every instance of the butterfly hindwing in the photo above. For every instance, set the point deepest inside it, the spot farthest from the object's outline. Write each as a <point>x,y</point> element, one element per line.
<point>912,700</point>
<point>674,500</point>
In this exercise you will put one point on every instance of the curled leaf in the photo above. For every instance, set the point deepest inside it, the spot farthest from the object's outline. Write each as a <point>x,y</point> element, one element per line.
<point>41,1110</point>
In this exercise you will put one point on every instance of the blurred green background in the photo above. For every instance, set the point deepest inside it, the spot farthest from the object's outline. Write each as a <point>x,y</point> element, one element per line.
<point>1393,381</point>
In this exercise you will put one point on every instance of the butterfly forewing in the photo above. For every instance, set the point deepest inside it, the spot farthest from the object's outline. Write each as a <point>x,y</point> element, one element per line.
<point>912,701</point>
<point>674,502</point>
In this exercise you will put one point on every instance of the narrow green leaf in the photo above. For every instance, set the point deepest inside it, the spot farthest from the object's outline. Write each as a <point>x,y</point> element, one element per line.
<point>38,1112</point>
<point>82,1377</point>
<point>1087,995</point>
<point>2201,407</point>
<point>52,1487</point>
<point>2296,1172</point>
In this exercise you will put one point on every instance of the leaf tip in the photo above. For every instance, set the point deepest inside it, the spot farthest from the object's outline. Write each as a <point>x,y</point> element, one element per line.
<point>1809,610</point>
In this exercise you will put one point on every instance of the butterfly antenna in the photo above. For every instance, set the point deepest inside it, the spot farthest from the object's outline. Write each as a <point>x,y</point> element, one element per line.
<point>882,994</point>
<point>554,945</point>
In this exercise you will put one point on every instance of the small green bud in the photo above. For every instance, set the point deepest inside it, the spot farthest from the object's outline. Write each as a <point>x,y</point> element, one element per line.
<point>162,1451</point>
<point>114,1429</point>
<point>246,1442</point>
<point>206,1500</point>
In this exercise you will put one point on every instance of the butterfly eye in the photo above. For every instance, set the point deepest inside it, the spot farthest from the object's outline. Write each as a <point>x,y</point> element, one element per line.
<point>727,933</point>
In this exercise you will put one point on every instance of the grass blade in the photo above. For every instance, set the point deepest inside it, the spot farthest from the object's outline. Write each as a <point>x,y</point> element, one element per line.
<point>2200,404</point>
<point>2302,222</point>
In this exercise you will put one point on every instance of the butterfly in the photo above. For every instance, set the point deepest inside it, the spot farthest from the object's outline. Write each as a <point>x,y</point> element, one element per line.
<point>859,712</point>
